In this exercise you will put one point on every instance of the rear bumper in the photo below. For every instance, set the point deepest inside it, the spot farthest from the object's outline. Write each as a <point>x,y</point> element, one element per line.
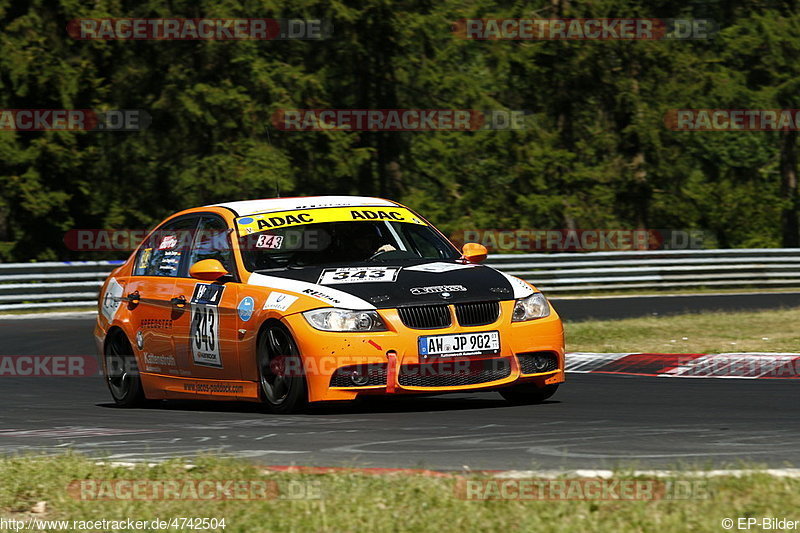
<point>389,362</point>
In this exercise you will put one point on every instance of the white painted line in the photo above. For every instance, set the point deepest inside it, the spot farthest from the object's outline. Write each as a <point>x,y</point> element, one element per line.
<point>45,314</point>
<point>674,295</point>
<point>554,474</point>
<point>607,474</point>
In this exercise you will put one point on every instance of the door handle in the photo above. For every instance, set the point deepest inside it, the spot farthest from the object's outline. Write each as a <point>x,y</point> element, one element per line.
<point>133,299</point>
<point>179,301</point>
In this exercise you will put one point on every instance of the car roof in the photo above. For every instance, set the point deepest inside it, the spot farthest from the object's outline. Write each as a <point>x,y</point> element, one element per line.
<point>267,205</point>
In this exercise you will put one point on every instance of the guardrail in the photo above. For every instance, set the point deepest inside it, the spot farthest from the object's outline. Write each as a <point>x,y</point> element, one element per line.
<point>52,285</point>
<point>647,270</point>
<point>75,284</point>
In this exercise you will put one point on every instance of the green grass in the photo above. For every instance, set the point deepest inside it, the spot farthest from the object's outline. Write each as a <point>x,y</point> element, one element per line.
<point>357,502</point>
<point>758,331</point>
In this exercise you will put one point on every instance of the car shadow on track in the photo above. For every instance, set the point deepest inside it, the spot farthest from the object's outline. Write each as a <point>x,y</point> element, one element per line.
<point>377,404</point>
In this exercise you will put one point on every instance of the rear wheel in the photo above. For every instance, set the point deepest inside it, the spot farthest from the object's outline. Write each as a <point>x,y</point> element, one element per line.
<point>280,369</point>
<point>122,372</point>
<point>528,393</point>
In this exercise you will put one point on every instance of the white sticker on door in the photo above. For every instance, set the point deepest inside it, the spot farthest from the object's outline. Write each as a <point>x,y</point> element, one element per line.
<point>204,332</point>
<point>111,299</point>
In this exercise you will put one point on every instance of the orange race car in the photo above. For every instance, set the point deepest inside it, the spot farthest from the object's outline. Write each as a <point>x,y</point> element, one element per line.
<point>293,300</point>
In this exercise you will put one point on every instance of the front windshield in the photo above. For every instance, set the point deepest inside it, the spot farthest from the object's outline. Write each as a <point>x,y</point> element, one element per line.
<point>343,242</point>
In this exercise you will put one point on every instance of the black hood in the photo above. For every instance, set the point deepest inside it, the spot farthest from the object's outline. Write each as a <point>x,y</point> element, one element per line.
<point>464,283</point>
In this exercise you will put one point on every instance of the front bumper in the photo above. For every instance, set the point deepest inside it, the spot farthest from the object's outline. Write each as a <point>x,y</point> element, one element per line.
<point>389,363</point>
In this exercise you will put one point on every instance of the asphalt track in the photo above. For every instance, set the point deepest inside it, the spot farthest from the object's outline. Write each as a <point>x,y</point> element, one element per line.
<point>594,421</point>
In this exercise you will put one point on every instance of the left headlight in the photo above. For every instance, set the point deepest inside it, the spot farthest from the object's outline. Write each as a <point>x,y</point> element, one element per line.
<point>335,319</point>
<point>530,308</point>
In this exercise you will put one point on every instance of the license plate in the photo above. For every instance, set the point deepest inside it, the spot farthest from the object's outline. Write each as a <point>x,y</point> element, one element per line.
<point>460,344</point>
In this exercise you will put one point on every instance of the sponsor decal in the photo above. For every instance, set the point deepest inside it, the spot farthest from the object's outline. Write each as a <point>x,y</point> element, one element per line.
<point>438,288</point>
<point>168,242</point>
<point>144,258</point>
<point>204,332</point>
<point>438,267</point>
<point>330,294</point>
<point>212,387</point>
<point>111,299</point>
<point>333,276</point>
<point>284,219</point>
<point>156,323</point>
<point>159,360</point>
<point>246,307</point>
<point>272,242</point>
<point>321,296</point>
<point>279,301</point>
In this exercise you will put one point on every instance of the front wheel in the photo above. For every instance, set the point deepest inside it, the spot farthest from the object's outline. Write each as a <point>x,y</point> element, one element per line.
<point>122,372</point>
<point>528,393</point>
<point>280,371</point>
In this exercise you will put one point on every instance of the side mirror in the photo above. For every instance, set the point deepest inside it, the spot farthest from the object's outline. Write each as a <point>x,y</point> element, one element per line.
<point>207,270</point>
<point>474,252</point>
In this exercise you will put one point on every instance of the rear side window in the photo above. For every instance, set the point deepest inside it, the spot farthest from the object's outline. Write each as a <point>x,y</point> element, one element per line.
<point>163,253</point>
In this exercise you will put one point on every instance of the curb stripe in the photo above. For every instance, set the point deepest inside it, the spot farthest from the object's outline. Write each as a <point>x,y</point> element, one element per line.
<point>759,365</point>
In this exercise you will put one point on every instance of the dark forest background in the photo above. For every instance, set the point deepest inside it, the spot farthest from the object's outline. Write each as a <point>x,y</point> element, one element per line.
<point>595,154</point>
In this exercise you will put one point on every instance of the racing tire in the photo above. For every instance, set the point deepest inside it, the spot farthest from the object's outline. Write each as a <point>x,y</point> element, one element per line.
<point>282,382</point>
<point>528,394</point>
<point>122,372</point>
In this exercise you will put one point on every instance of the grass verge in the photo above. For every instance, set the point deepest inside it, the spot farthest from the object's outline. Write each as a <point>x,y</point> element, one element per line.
<point>352,501</point>
<point>758,331</point>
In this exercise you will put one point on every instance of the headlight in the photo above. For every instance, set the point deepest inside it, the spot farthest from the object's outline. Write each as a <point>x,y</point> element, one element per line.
<point>530,308</point>
<point>334,319</point>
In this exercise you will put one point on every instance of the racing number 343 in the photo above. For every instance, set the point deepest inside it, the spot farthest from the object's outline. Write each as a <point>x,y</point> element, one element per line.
<point>204,329</point>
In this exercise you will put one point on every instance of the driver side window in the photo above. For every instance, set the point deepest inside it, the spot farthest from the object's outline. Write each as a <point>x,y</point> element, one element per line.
<point>212,241</point>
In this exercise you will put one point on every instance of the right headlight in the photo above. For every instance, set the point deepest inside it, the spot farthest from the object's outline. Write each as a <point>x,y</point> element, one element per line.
<point>335,319</point>
<point>530,308</point>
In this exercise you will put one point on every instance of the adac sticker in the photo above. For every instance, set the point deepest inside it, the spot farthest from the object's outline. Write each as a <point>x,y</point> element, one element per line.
<point>296,217</point>
<point>246,307</point>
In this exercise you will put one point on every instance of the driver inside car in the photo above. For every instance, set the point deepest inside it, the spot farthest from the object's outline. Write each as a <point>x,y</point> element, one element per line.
<point>368,243</point>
